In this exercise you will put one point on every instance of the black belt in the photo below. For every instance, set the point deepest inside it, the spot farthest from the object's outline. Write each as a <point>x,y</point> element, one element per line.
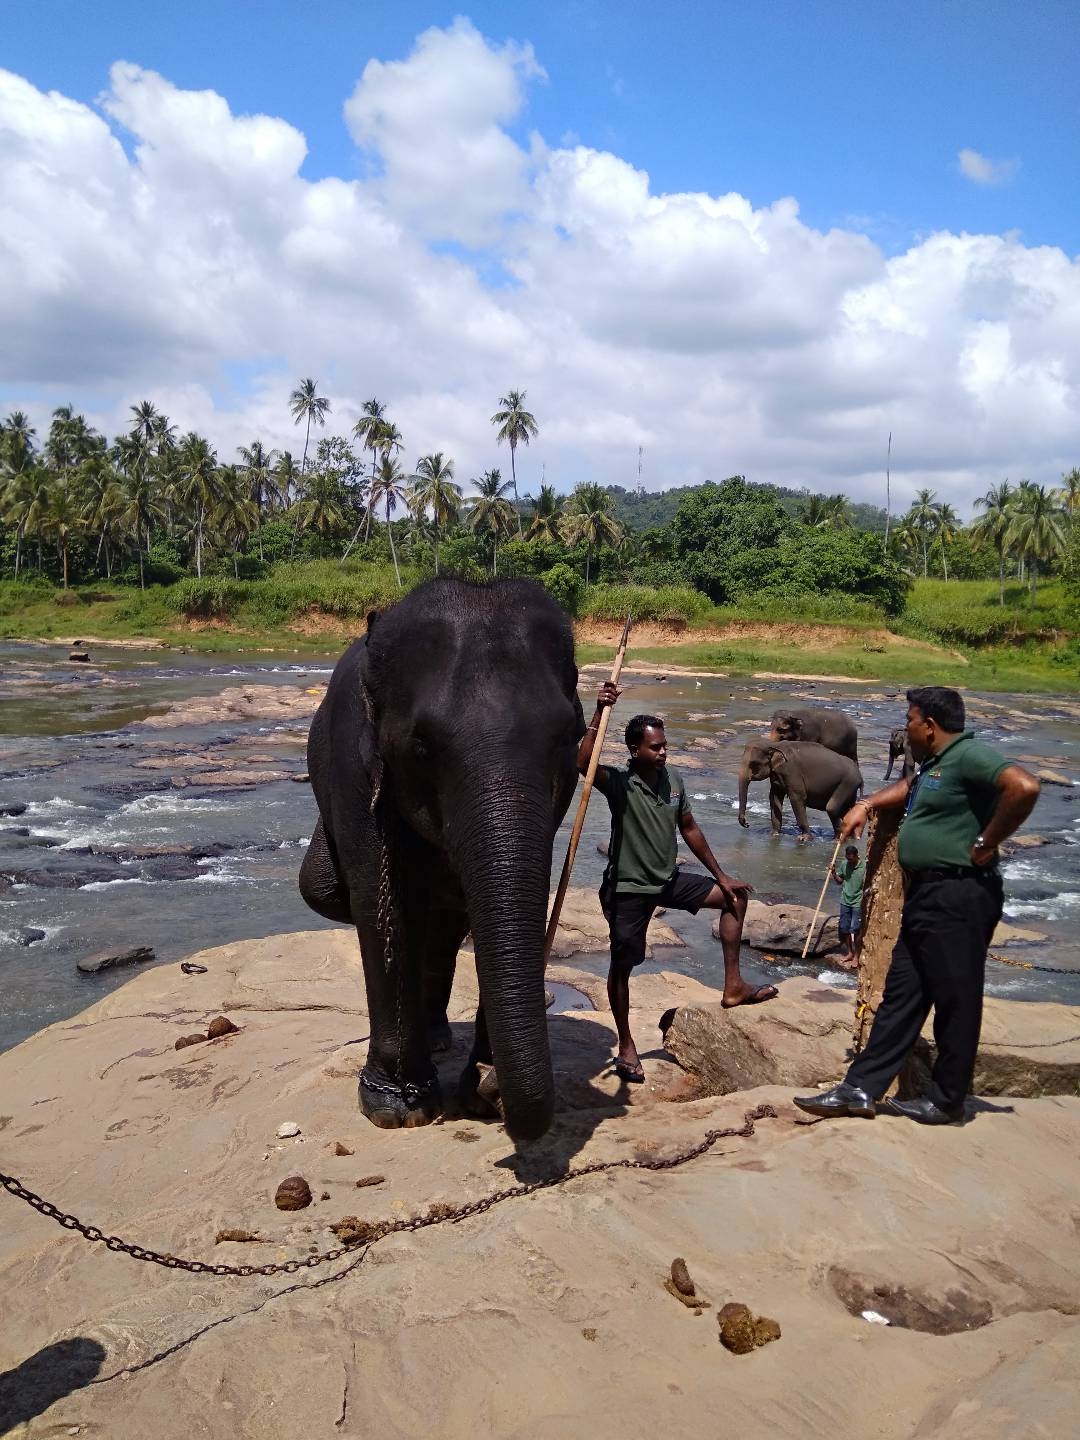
<point>953,872</point>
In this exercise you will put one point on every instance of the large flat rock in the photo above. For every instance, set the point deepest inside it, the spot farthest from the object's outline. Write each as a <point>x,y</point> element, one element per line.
<point>544,1316</point>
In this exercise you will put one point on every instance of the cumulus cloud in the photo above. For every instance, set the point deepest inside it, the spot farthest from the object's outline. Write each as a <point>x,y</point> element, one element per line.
<point>197,267</point>
<point>985,171</point>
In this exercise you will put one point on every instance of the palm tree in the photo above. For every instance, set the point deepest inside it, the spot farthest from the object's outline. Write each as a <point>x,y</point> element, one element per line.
<point>516,426</point>
<point>923,519</point>
<point>589,520</point>
<point>61,520</point>
<point>139,509</point>
<point>387,439</point>
<point>948,527</point>
<point>235,514</point>
<point>368,428</point>
<point>305,403</point>
<point>992,527</point>
<point>258,464</point>
<point>812,512</point>
<point>545,516</point>
<point>1036,529</point>
<point>1067,496</point>
<point>16,475</point>
<point>490,510</point>
<point>97,487</point>
<point>388,486</point>
<point>287,478</point>
<point>195,487</point>
<point>434,489</point>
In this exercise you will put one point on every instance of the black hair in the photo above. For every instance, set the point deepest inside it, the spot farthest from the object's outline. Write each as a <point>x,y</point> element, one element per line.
<point>636,727</point>
<point>851,850</point>
<point>935,702</point>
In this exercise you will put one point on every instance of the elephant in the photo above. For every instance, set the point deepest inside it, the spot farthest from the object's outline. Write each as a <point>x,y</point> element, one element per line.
<point>831,728</point>
<point>807,773</point>
<point>900,747</point>
<point>443,760</point>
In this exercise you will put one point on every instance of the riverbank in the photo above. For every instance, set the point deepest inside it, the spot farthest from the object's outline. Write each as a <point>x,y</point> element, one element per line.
<point>545,1315</point>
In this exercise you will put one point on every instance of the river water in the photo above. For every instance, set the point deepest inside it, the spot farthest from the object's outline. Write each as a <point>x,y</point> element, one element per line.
<point>100,856</point>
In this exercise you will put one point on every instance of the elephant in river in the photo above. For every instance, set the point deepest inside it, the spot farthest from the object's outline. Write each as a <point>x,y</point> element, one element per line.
<point>831,728</point>
<point>900,749</point>
<point>443,759</point>
<point>806,773</point>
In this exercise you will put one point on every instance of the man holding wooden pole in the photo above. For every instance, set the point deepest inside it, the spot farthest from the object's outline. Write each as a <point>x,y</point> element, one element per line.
<point>648,804</point>
<point>962,803</point>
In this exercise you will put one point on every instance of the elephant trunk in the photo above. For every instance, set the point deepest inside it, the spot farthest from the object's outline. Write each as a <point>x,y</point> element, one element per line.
<point>500,842</point>
<point>744,786</point>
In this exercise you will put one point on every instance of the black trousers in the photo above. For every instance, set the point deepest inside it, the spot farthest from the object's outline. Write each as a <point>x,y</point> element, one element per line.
<point>939,961</point>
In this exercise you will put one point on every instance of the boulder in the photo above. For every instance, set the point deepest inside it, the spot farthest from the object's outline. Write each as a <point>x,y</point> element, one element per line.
<point>1025,1049</point>
<point>1053,777</point>
<point>798,1039</point>
<point>584,931</point>
<point>30,935</point>
<point>112,959</point>
<point>1007,934</point>
<point>782,929</point>
<point>13,807</point>
<point>1025,842</point>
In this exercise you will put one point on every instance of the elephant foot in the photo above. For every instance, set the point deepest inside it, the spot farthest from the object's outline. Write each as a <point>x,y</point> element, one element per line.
<point>440,1037</point>
<point>478,1092</point>
<point>399,1107</point>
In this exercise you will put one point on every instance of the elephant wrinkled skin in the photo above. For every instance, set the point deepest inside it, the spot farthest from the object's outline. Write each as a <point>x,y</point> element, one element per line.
<point>831,728</point>
<point>443,759</point>
<point>804,772</point>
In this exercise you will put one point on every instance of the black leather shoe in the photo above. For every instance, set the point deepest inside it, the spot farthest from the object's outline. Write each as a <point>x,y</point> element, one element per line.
<point>842,1099</point>
<point>925,1111</point>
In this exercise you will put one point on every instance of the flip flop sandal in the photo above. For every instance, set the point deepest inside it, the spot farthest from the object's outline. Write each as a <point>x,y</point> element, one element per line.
<point>757,996</point>
<point>632,1074</point>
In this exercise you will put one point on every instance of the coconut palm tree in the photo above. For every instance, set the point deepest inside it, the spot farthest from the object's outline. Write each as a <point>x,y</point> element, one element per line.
<point>306,404</point>
<point>368,428</point>
<point>235,514</point>
<point>97,489</point>
<point>433,490</point>
<point>258,466</point>
<point>489,511</point>
<point>61,520</point>
<point>388,443</point>
<point>388,488</point>
<point>546,512</point>
<point>1036,531</point>
<point>948,527</point>
<point>588,520</point>
<point>812,512</point>
<point>17,459</point>
<point>195,487</point>
<point>140,508</point>
<point>287,478</point>
<point>517,427</point>
<point>992,527</point>
<point>1067,495</point>
<point>923,519</point>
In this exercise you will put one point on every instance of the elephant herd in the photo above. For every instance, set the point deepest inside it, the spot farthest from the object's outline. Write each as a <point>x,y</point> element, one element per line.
<point>811,758</point>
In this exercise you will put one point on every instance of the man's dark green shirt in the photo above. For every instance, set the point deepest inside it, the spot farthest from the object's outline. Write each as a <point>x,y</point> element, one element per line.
<point>644,823</point>
<point>953,796</point>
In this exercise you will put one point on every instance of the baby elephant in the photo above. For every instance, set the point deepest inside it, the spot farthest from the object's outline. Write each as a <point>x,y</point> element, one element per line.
<point>900,749</point>
<point>808,774</point>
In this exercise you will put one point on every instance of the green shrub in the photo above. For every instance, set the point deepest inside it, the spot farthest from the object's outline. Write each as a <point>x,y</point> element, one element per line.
<point>667,602</point>
<point>211,598</point>
<point>565,585</point>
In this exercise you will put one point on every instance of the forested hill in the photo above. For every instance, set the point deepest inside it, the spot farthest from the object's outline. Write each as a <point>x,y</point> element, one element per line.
<point>653,509</point>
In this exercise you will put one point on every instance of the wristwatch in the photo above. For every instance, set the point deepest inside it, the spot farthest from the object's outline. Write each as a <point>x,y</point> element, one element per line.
<point>980,844</point>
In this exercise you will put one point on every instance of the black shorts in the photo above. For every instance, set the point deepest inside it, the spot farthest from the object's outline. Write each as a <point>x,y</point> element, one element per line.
<point>628,915</point>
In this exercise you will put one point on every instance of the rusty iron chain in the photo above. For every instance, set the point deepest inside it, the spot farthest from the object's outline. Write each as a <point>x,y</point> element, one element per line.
<point>437,1215</point>
<point>1031,965</point>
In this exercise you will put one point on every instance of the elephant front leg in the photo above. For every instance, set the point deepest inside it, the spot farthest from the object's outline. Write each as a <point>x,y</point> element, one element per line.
<point>399,1086</point>
<point>446,930</point>
<point>798,806</point>
<point>776,808</point>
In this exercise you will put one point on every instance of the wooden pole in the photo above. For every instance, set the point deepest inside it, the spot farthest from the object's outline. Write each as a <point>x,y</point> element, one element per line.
<point>583,803</point>
<point>821,897</point>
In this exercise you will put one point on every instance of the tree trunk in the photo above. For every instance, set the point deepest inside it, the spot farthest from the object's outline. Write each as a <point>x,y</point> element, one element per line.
<point>1001,577</point>
<point>390,535</point>
<point>436,550</point>
<point>944,564</point>
<point>63,553</point>
<point>883,901</point>
<point>142,577</point>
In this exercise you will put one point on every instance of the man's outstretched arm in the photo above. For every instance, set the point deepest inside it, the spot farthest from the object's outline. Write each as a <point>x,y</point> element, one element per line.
<point>607,697</point>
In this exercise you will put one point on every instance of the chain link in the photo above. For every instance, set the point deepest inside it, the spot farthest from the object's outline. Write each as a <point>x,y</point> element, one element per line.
<point>1031,965</point>
<point>438,1214</point>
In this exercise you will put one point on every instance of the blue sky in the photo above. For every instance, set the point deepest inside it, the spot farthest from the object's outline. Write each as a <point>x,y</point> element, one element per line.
<point>858,110</point>
<point>587,200</point>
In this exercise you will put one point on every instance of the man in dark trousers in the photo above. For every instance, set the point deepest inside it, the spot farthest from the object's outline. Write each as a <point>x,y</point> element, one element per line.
<point>962,802</point>
<point>648,804</point>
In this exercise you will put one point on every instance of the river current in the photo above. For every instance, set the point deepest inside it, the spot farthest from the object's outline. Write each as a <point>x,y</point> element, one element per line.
<point>118,845</point>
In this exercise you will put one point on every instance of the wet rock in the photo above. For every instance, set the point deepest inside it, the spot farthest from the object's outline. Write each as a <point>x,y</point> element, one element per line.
<point>30,935</point>
<point>170,867</point>
<point>293,1193</point>
<point>82,656</point>
<point>13,807</point>
<point>112,959</point>
<point>1025,842</point>
<point>1053,777</point>
<point>222,1025</point>
<point>125,790</point>
<point>703,742</point>
<point>22,831</point>
<point>782,930</point>
<point>288,1130</point>
<point>62,877</point>
<point>302,777</point>
<point>186,1040</point>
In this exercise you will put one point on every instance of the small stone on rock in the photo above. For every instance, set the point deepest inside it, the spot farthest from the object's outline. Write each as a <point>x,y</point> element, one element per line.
<point>736,1328</point>
<point>765,1330</point>
<point>366,1180</point>
<point>186,1040</point>
<point>287,1129</point>
<point>340,1149</point>
<point>680,1277</point>
<point>222,1025</point>
<point>293,1193</point>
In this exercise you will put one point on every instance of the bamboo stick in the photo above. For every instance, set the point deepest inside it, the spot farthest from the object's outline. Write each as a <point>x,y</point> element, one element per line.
<point>583,803</point>
<point>821,897</point>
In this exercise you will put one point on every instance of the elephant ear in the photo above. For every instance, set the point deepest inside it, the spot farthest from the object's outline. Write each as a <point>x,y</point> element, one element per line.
<point>777,761</point>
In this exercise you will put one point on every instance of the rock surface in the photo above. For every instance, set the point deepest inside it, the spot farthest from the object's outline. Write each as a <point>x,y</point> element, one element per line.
<point>110,959</point>
<point>782,930</point>
<point>544,1316</point>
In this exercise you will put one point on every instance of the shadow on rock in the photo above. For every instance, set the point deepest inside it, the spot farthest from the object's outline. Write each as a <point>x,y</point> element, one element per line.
<point>46,1377</point>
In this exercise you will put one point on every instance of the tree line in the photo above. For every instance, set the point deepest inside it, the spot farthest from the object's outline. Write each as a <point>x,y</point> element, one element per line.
<point>153,505</point>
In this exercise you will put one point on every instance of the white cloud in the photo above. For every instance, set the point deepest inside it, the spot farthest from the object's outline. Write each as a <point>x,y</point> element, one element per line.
<point>985,171</point>
<point>718,336</point>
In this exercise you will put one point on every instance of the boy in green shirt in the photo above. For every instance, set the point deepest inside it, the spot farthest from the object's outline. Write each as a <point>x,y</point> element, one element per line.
<point>648,805</point>
<point>849,875</point>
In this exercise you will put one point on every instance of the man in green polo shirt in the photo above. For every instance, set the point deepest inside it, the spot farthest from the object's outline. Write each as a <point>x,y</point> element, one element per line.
<point>849,875</point>
<point>648,805</point>
<point>963,801</point>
